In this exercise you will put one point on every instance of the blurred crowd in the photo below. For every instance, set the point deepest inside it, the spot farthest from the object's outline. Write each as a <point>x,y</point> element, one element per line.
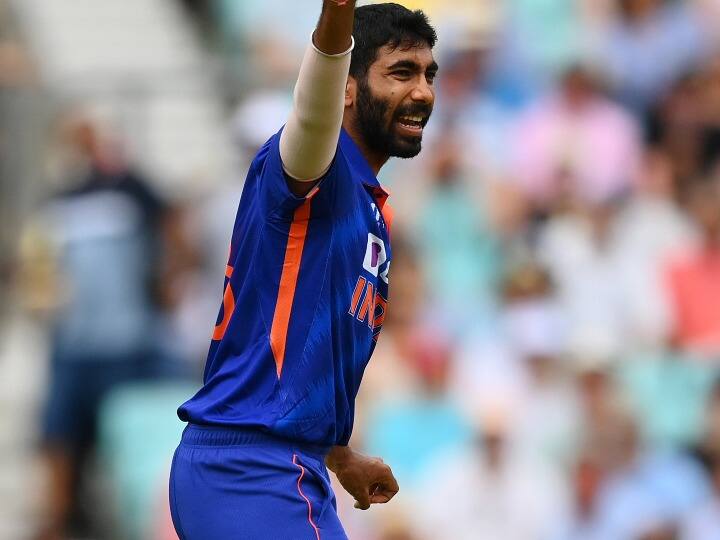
<point>549,367</point>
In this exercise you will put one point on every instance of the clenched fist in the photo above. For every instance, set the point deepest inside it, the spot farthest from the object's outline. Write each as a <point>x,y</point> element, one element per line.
<point>369,480</point>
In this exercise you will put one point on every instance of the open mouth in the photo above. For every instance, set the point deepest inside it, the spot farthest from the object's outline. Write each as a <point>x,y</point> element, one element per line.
<point>412,124</point>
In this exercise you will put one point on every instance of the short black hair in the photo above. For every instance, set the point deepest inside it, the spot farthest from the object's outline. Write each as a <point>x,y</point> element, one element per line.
<point>378,25</point>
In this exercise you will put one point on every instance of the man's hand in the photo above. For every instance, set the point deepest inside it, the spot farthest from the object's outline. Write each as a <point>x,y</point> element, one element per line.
<point>367,479</point>
<point>332,35</point>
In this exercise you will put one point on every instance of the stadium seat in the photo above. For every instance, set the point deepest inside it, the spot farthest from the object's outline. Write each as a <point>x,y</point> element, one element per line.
<point>139,431</point>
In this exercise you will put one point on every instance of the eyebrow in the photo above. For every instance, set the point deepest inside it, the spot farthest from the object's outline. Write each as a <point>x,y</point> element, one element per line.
<point>414,66</point>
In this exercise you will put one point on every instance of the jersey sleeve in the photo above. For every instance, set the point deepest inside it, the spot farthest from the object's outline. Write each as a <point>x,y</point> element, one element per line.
<point>275,197</point>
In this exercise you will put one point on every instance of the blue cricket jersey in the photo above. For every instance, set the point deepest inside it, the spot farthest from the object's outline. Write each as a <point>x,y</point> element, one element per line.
<point>305,296</point>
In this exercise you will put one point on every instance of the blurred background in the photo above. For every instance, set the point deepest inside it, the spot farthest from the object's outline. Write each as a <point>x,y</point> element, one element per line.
<point>550,366</point>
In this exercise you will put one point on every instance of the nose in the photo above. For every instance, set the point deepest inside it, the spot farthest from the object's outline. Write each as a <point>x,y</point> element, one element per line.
<point>423,92</point>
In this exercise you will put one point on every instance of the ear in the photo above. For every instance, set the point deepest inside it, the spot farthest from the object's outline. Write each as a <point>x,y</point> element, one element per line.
<point>350,92</point>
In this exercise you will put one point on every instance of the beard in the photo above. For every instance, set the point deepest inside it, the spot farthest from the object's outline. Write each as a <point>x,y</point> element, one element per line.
<point>378,132</point>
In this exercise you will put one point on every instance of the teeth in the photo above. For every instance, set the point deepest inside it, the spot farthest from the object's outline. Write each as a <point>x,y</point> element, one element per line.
<point>413,118</point>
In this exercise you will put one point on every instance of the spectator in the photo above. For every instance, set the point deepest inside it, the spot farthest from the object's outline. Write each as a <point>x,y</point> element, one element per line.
<point>709,444</point>
<point>471,112</point>
<point>648,47</point>
<point>668,395</point>
<point>575,145</point>
<point>503,496</point>
<point>647,229</point>
<point>578,249</point>
<point>703,522</point>
<point>106,233</point>
<point>644,490</point>
<point>586,479</point>
<point>460,251</point>
<point>547,422</point>
<point>686,123</point>
<point>693,278</point>
<point>410,431</point>
<point>537,41</point>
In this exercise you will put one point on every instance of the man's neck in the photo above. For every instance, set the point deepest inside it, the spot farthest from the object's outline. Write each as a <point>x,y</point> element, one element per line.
<point>375,160</point>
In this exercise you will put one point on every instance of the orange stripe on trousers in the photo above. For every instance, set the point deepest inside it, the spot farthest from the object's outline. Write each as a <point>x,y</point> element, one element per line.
<point>299,487</point>
<point>288,284</point>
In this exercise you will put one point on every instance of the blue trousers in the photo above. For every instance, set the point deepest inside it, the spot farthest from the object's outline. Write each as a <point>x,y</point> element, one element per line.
<point>228,484</point>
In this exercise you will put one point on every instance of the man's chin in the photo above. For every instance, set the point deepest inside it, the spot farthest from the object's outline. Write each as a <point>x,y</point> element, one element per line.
<point>406,147</point>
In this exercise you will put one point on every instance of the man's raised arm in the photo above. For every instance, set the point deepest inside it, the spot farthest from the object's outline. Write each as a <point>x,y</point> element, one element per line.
<point>309,140</point>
